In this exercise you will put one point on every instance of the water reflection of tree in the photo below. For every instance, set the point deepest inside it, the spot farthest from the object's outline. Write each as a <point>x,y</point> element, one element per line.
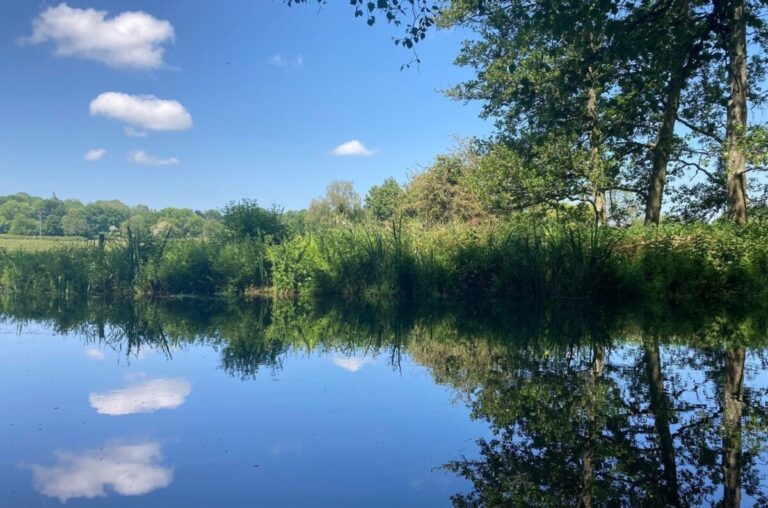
<point>586,409</point>
<point>733,408</point>
<point>600,427</point>
<point>559,427</point>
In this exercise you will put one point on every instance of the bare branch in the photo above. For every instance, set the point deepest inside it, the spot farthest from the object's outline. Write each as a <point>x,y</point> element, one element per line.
<point>699,130</point>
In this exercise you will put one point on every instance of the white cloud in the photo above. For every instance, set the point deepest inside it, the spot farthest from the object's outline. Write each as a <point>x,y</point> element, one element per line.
<point>144,111</point>
<point>146,397</point>
<point>129,39</point>
<point>279,60</point>
<point>146,159</point>
<point>129,470</point>
<point>95,154</point>
<point>353,147</point>
<point>94,353</point>
<point>352,364</point>
<point>134,133</point>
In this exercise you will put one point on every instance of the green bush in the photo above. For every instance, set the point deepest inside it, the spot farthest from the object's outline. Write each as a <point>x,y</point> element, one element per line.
<point>707,262</point>
<point>242,265</point>
<point>295,264</point>
<point>186,268</point>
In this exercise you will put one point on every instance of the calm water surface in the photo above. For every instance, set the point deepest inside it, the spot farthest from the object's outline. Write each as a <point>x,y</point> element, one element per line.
<point>191,403</point>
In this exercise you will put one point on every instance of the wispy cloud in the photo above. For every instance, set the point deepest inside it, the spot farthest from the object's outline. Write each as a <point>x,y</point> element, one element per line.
<point>95,154</point>
<point>279,60</point>
<point>143,111</point>
<point>146,397</point>
<point>134,133</point>
<point>129,39</point>
<point>147,159</point>
<point>128,470</point>
<point>353,147</point>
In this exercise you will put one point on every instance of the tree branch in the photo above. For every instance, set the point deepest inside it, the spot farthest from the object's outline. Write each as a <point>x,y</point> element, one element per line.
<point>697,167</point>
<point>699,130</point>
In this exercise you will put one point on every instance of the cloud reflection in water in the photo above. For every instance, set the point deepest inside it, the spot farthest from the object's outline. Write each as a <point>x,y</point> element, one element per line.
<point>127,470</point>
<point>352,364</point>
<point>146,397</point>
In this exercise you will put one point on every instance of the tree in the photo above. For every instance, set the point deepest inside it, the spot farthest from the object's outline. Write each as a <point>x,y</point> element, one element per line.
<point>140,222</point>
<point>628,88</point>
<point>341,205</point>
<point>185,223</point>
<point>74,223</point>
<point>441,193</point>
<point>383,201</point>
<point>246,219</point>
<point>735,37</point>
<point>419,15</point>
<point>70,217</point>
<point>21,225</point>
<point>52,210</point>
<point>666,46</point>
<point>506,181</point>
<point>100,215</point>
<point>606,94</point>
<point>212,229</point>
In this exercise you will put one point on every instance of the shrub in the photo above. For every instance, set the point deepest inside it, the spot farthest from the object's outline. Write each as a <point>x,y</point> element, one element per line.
<point>242,265</point>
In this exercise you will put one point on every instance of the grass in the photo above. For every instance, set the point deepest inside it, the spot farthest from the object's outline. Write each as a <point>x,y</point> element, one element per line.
<point>517,261</point>
<point>38,243</point>
<point>530,261</point>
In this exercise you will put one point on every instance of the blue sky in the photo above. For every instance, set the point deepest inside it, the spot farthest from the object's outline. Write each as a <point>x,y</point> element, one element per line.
<point>263,95</point>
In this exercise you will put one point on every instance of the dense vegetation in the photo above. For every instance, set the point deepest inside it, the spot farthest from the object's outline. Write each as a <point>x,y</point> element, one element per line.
<point>424,250</point>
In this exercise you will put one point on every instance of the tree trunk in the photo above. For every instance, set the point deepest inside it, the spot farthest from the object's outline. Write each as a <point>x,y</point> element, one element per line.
<point>661,409</point>
<point>733,407</point>
<point>596,173</point>
<point>687,62</point>
<point>600,208</point>
<point>588,453</point>
<point>735,159</point>
<point>660,156</point>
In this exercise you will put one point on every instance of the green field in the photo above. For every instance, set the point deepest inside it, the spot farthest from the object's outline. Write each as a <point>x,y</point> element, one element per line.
<point>37,243</point>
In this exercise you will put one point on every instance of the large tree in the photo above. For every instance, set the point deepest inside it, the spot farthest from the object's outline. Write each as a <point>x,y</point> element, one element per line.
<point>622,88</point>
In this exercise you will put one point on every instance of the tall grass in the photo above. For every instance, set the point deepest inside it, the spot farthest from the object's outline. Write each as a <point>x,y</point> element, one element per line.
<point>504,261</point>
<point>519,261</point>
<point>698,263</point>
<point>138,264</point>
<point>512,261</point>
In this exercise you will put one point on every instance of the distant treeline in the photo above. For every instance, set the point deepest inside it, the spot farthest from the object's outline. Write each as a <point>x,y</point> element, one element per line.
<point>469,186</point>
<point>22,214</point>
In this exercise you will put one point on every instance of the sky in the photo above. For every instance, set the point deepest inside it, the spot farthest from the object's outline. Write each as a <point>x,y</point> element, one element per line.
<point>195,104</point>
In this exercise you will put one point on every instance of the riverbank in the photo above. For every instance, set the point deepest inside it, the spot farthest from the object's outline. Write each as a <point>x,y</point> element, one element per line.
<point>718,264</point>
